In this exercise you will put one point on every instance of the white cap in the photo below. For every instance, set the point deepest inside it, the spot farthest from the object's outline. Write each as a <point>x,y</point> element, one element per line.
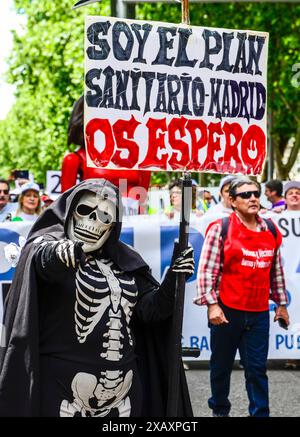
<point>291,184</point>
<point>29,186</point>
<point>226,180</point>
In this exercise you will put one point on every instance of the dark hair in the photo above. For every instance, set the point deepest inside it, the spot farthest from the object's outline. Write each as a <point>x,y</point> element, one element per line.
<point>4,181</point>
<point>275,185</point>
<point>75,128</point>
<point>238,182</point>
<point>176,183</point>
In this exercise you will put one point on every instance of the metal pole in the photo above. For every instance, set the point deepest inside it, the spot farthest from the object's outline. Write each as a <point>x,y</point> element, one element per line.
<point>175,354</point>
<point>121,9</point>
<point>186,206</point>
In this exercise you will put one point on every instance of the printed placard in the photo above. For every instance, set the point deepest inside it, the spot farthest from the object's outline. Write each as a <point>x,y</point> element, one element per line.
<point>160,96</point>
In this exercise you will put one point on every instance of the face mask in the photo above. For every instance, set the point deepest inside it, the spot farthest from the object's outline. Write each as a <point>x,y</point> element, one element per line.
<point>92,221</point>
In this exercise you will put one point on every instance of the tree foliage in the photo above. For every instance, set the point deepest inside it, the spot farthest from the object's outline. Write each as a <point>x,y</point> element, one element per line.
<point>47,63</point>
<point>47,67</point>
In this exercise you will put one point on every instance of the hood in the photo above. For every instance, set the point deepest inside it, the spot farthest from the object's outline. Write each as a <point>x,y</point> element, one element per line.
<point>54,221</point>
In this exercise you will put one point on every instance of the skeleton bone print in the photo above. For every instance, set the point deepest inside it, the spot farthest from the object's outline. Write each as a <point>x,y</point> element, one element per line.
<point>72,311</point>
<point>104,296</point>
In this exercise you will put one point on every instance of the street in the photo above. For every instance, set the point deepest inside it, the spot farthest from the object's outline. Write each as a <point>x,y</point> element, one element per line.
<point>284,386</point>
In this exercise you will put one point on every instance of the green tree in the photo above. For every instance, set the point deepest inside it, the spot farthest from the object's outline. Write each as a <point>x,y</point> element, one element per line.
<point>47,67</point>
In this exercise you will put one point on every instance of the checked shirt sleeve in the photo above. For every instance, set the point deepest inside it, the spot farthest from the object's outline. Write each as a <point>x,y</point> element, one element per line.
<point>278,290</point>
<point>209,267</point>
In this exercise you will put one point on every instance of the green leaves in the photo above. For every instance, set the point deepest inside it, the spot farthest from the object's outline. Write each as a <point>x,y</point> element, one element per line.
<point>47,67</point>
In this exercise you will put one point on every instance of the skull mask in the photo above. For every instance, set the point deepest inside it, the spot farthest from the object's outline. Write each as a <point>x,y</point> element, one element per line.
<point>92,221</point>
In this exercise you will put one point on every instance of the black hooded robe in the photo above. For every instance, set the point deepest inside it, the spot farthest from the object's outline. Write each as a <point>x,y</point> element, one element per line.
<point>20,360</point>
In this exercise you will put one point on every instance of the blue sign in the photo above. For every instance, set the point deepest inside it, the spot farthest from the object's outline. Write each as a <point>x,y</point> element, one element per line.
<point>127,236</point>
<point>7,236</point>
<point>168,234</point>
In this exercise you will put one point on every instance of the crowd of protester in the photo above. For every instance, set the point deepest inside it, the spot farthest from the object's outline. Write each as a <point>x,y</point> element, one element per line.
<point>23,203</point>
<point>27,200</point>
<point>281,197</point>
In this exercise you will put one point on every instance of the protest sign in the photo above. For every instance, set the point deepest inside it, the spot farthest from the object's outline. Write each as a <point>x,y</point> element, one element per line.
<point>160,96</point>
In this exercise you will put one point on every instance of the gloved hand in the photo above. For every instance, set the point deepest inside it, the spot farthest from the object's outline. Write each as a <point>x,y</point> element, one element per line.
<point>69,252</point>
<point>183,262</point>
<point>65,251</point>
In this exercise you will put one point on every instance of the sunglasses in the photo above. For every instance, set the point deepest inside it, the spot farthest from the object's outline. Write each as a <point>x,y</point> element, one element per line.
<point>248,194</point>
<point>4,191</point>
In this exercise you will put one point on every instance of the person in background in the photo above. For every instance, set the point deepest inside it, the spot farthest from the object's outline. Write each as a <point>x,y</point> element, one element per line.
<point>175,199</point>
<point>234,281</point>
<point>29,203</point>
<point>292,202</point>
<point>273,192</point>
<point>6,208</point>
<point>224,206</point>
<point>173,211</point>
<point>292,195</point>
<point>15,192</point>
<point>204,200</point>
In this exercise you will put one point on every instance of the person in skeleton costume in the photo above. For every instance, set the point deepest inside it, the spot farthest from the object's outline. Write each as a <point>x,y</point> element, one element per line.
<point>86,324</point>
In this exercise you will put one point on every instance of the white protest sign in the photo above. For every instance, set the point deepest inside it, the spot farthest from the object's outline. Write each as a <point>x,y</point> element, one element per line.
<point>53,186</point>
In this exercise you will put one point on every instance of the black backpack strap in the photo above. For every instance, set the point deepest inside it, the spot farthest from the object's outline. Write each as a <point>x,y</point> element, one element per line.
<point>271,227</point>
<point>224,232</point>
<point>225,225</point>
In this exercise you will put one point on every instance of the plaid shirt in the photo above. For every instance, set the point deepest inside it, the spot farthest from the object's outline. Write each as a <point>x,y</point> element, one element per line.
<point>210,267</point>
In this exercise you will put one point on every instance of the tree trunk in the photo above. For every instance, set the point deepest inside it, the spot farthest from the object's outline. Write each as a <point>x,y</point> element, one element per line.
<point>284,169</point>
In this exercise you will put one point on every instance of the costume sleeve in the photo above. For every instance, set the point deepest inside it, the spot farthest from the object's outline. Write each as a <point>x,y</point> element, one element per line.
<point>155,302</point>
<point>48,266</point>
<point>209,267</point>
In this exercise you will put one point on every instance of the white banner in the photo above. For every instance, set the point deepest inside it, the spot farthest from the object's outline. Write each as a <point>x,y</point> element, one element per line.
<point>53,184</point>
<point>160,96</point>
<point>153,237</point>
<point>10,232</point>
